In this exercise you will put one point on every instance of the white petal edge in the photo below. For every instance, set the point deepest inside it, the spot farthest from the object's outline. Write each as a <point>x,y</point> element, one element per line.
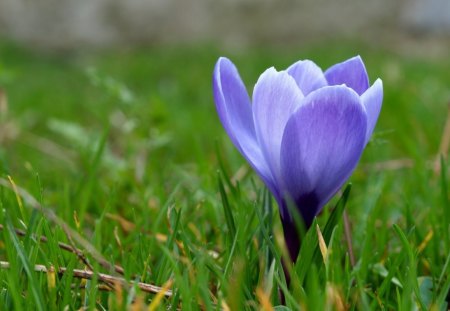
<point>372,100</point>
<point>308,76</point>
<point>275,97</point>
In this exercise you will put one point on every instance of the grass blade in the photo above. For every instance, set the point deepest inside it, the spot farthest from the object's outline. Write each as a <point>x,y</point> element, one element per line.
<point>309,250</point>
<point>412,272</point>
<point>227,209</point>
<point>34,284</point>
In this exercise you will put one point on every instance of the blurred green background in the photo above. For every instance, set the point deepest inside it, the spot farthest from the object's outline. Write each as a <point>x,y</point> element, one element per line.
<point>153,109</point>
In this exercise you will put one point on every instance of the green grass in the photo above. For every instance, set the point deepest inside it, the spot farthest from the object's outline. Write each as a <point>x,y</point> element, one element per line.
<point>126,149</point>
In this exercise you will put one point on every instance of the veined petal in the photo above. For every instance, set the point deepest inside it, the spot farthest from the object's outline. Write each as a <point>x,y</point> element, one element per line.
<point>372,100</point>
<point>275,97</point>
<point>307,75</point>
<point>322,143</point>
<point>235,112</point>
<point>232,101</point>
<point>351,72</point>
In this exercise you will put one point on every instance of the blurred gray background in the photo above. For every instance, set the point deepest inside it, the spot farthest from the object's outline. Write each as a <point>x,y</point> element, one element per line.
<point>68,24</point>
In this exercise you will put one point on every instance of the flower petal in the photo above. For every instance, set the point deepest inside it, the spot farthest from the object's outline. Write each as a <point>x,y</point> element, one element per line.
<point>275,97</point>
<point>232,101</point>
<point>321,146</point>
<point>372,100</point>
<point>351,72</point>
<point>308,75</point>
<point>235,112</point>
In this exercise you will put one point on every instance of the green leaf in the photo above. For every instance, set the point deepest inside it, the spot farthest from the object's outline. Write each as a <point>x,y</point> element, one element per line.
<point>27,266</point>
<point>227,209</point>
<point>445,200</point>
<point>412,271</point>
<point>309,250</point>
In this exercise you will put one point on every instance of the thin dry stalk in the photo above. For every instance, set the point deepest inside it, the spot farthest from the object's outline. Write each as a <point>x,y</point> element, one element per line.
<point>63,246</point>
<point>105,278</point>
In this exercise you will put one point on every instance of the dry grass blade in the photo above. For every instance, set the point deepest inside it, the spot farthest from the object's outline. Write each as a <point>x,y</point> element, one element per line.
<point>165,291</point>
<point>264,300</point>
<point>322,245</point>
<point>105,278</point>
<point>389,165</point>
<point>425,241</point>
<point>3,103</point>
<point>240,174</point>
<point>444,145</point>
<point>125,224</point>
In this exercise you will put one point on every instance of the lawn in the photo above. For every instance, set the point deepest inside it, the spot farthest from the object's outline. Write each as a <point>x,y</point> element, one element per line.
<point>118,158</point>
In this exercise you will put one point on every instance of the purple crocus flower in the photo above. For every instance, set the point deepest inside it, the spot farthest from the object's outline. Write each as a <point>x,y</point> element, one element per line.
<point>303,132</point>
